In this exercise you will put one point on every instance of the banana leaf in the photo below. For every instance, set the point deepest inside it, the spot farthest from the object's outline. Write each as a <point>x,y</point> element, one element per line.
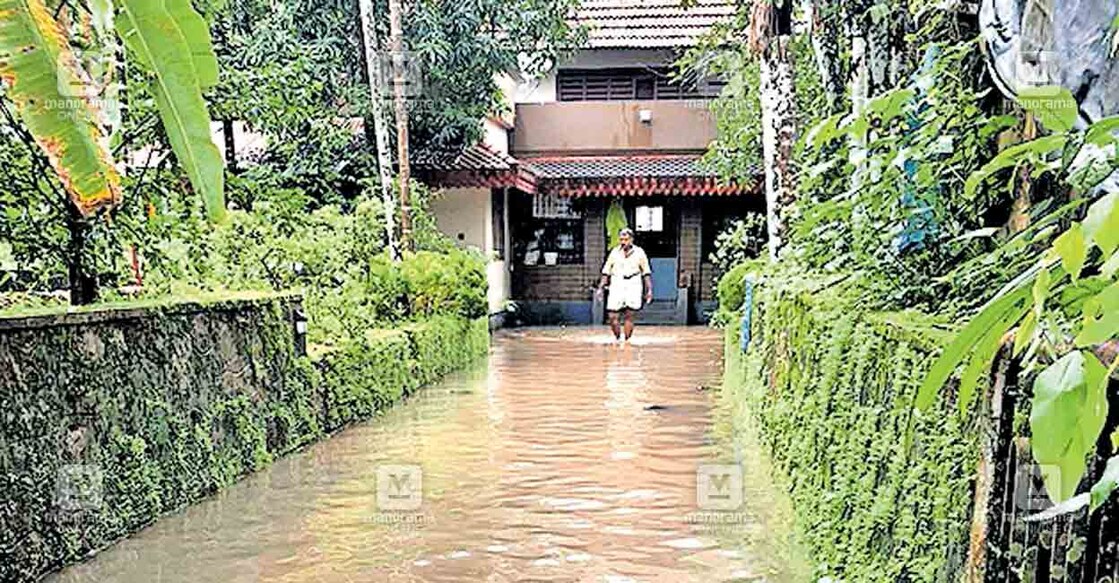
<point>171,41</point>
<point>41,78</point>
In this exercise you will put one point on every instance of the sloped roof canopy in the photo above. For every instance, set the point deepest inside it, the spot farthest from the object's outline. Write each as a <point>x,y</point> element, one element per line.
<point>476,167</point>
<point>609,176</point>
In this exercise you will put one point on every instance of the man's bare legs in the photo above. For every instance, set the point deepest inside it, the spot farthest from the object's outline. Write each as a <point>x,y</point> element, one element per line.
<point>630,317</point>
<point>616,325</point>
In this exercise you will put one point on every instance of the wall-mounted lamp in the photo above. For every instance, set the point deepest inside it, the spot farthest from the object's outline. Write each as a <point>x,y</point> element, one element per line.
<point>645,115</point>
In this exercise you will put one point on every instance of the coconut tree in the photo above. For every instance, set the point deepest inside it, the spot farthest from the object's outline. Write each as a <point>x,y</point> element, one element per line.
<point>400,104</point>
<point>372,51</point>
<point>769,37</point>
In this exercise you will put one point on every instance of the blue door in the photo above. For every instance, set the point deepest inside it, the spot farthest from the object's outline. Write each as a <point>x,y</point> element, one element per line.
<point>656,224</point>
<point>664,278</point>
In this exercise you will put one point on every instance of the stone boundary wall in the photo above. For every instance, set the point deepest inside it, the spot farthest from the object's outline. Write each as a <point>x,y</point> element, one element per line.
<point>111,418</point>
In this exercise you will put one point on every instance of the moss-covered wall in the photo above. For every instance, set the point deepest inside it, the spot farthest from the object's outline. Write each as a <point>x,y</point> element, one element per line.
<point>110,419</point>
<point>880,494</point>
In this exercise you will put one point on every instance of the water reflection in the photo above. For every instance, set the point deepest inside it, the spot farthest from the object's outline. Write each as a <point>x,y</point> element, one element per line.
<point>567,458</point>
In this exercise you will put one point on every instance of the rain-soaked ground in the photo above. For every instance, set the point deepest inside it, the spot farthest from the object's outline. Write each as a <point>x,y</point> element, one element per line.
<point>565,458</point>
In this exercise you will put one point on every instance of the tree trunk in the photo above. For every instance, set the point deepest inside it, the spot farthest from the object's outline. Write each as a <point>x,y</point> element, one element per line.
<point>778,136</point>
<point>398,87</point>
<point>83,284</point>
<point>825,49</point>
<point>380,130</point>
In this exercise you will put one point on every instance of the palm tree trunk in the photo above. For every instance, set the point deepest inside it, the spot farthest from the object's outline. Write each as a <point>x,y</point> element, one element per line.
<point>398,87</point>
<point>380,125</point>
<point>825,49</point>
<point>778,137</point>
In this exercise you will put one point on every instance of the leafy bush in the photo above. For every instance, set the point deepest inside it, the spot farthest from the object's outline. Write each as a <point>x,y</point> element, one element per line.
<point>452,283</point>
<point>335,258</point>
<point>741,240</point>
<point>731,286</point>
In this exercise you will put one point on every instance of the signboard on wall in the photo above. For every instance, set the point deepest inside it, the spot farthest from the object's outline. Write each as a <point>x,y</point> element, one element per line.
<point>547,206</point>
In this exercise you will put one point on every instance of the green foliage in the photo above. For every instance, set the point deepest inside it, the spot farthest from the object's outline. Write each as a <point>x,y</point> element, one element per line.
<point>1055,307</point>
<point>41,76</point>
<point>1068,414</point>
<point>453,283</point>
<point>1108,483</point>
<point>172,43</point>
<point>742,240</point>
<point>731,290</point>
<point>880,493</point>
<point>336,258</point>
<point>880,192</point>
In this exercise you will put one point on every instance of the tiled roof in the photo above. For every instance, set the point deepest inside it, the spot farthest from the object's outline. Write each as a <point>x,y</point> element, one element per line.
<point>476,167</point>
<point>616,166</point>
<point>480,157</point>
<point>677,175</point>
<point>649,23</point>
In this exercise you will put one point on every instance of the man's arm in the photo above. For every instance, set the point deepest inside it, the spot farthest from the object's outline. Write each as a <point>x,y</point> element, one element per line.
<point>606,269</point>
<point>647,272</point>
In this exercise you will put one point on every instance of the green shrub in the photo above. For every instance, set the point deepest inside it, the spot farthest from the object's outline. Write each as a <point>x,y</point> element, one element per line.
<point>336,258</point>
<point>451,283</point>
<point>731,288</point>
<point>365,375</point>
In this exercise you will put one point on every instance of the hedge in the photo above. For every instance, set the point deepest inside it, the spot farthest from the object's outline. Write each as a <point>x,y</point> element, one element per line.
<point>880,492</point>
<point>110,420</point>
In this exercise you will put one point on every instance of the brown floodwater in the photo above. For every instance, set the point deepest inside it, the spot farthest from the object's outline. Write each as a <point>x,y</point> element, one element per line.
<point>563,458</point>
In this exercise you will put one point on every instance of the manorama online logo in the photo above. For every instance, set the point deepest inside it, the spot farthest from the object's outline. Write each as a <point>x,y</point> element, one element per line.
<point>400,496</point>
<point>719,497</point>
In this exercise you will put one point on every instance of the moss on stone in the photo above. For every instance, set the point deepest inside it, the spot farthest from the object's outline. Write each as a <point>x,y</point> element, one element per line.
<point>881,493</point>
<point>112,418</point>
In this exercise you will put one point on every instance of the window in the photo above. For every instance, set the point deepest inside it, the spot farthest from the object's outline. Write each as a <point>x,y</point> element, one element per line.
<point>649,219</point>
<point>548,230</point>
<point>631,83</point>
<point>498,207</point>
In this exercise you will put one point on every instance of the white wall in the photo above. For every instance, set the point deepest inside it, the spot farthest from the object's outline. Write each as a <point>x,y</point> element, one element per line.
<point>465,215</point>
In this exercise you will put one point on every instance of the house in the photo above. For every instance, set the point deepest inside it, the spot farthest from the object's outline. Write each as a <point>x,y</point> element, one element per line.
<point>611,125</point>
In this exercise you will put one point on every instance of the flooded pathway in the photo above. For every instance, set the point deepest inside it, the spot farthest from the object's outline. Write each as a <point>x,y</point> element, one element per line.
<point>566,458</point>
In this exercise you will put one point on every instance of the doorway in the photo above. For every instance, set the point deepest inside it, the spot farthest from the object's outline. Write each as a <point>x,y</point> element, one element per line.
<point>656,225</point>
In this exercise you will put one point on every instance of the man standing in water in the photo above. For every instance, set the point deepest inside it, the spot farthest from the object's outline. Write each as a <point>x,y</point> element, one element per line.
<point>630,280</point>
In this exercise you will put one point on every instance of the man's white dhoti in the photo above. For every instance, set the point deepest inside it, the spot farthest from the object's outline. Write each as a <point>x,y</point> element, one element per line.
<point>625,292</point>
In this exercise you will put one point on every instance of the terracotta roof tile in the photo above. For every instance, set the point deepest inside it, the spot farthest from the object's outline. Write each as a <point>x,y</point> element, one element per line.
<point>675,175</point>
<point>650,23</point>
<point>477,158</point>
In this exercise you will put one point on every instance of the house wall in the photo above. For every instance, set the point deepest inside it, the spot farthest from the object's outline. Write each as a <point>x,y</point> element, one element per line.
<point>466,216</point>
<point>612,127</point>
<point>463,214</point>
<point>554,294</point>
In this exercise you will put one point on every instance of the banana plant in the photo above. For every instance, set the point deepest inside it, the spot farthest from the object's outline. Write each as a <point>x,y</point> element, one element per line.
<point>41,77</point>
<point>169,41</point>
<point>1060,309</point>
